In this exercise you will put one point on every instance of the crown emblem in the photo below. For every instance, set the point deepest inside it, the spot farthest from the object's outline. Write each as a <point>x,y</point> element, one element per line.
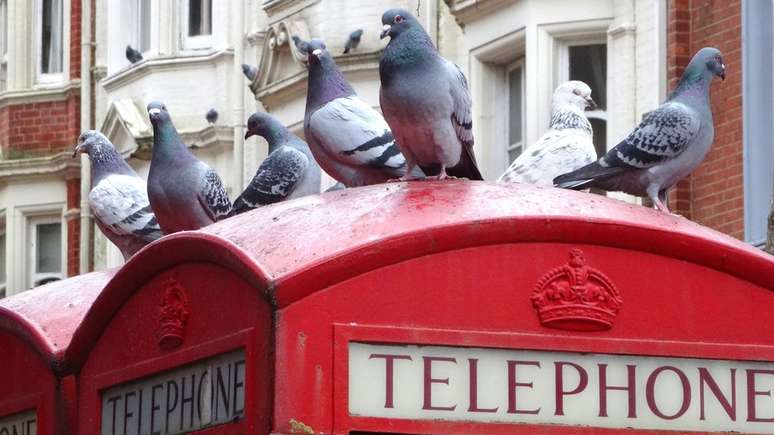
<point>576,297</point>
<point>173,315</point>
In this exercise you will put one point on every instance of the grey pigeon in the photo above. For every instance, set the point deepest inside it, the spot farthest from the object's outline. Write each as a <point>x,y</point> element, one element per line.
<point>288,172</point>
<point>348,138</point>
<point>184,192</point>
<point>249,71</point>
<point>667,145</point>
<point>567,145</point>
<point>133,55</point>
<point>425,100</point>
<point>212,116</point>
<point>353,41</point>
<point>118,197</point>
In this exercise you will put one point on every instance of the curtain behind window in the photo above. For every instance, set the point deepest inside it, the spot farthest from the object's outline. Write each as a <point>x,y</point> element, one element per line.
<point>51,37</point>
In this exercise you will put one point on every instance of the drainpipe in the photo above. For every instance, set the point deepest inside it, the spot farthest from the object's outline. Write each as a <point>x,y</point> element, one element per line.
<point>86,44</point>
<point>239,97</point>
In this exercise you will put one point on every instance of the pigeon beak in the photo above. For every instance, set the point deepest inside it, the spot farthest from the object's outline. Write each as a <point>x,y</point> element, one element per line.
<point>722,71</point>
<point>76,150</point>
<point>385,31</point>
<point>249,133</point>
<point>590,104</point>
<point>154,111</point>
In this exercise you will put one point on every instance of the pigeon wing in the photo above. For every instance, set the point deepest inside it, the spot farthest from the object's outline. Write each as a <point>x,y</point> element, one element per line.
<point>352,132</point>
<point>275,179</point>
<point>462,120</point>
<point>662,135</point>
<point>120,203</point>
<point>555,153</point>
<point>212,196</point>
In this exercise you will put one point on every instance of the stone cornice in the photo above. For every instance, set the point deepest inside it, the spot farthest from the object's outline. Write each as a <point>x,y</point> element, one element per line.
<point>281,9</point>
<point>62,164</point>
<point>146,67</point>
<point>60,93</point>
<point>465,11</point>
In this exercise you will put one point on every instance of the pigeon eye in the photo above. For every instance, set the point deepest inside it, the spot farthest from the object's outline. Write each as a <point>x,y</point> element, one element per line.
<point>576,92</point>
<point>398,19</point>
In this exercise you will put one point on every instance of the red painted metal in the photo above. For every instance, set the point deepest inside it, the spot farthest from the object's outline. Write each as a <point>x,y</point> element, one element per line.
<point>453,263</point>
<point>35,330</point>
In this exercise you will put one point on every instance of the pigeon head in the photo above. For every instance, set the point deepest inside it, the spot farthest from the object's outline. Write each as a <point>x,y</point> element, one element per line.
<point>317,52</point>
<point>264,125</point>
<point>92,143</point>
<point>356,35</point>
<point>157,112</point>
<point>706,64</point>
<point>576,94</point>
<point>397,21</point>
<point>713,61</point>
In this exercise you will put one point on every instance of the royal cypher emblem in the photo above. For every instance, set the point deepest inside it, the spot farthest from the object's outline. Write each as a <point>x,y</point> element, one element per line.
<point>576,297</point>
<point>173,315</point>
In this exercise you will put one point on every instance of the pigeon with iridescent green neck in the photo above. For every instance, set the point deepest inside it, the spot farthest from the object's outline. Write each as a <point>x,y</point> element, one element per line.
<point>667,145</point>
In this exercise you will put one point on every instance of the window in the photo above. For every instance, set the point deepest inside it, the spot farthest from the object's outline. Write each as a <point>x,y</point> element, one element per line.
<point>587,62</point>
<point>45,250</point>
<point>197,24</point>
<point>49,40</point>
<point>3,44</point>
<point>143,25</point>
<point>515,82</point>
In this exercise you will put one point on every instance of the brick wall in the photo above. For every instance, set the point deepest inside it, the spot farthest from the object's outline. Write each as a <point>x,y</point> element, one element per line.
<point>40,128</point>
<point>73,227</point>
<point>714,194</point>
<point>75,39</point>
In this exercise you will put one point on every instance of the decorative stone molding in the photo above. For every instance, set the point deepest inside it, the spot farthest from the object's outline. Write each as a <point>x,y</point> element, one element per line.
<point>465,11</point>
<point>58,164</point>
<point>279,58</point>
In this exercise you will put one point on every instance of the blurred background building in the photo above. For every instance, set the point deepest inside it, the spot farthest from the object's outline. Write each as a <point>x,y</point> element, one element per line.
<point>63,69</point>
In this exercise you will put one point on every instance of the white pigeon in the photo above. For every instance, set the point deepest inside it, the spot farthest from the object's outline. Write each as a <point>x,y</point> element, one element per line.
<point>566,146</point>
<point>118,197</point>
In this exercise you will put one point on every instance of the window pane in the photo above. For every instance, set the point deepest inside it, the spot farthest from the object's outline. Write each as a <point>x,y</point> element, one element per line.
<point>144,27</point>
<point>588,63</point>
<point>514,106</point>
<point>513,153</point>
<point>600,135</point>
<point>199,17</point>
<point>51,37</point>
<point>3,28</point>
<point>49,249</point>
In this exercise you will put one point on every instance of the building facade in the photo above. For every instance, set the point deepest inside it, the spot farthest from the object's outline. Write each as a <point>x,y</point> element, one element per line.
<point>73,75</point>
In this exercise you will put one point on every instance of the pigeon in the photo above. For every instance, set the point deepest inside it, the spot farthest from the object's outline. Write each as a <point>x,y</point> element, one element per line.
<point>353,41</point>
<point>566,146</point>
<point>425,100</point>
<point>288,172</point>
<point>212,116</point>
<point>667,146</point>
<point>133,55</point>
<point>118,197</point>
<point>184,192</point>
<point>249,71</point>
<point>348,138</point>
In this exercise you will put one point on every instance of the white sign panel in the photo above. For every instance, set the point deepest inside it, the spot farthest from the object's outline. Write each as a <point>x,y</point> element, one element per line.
<point>199,395</point>
<point>23,423</point>
<point>519,386</point>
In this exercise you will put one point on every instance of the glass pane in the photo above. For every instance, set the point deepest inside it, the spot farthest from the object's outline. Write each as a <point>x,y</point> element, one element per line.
<point>600,135</point>
<point>144,17</point>
<point>49,249</point>
<point>588,63</point>
<point>514,105</point>
<point>3,28</point>
<point>199,17</point>
<point>2,259</point>
<point>51,36</point>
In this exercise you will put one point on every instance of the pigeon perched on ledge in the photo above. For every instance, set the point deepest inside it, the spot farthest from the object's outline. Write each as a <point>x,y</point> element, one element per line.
<point>249,71</point>
<point>348,138</point>
<point>211,116</point>
<point>667,145</point>
<point>353,40</point>
<point>185,192</point>
<point>289,171</point>
<point>118,197</point>
<point>133,55</point>
<point>426,101</point>
<point>567,145</point>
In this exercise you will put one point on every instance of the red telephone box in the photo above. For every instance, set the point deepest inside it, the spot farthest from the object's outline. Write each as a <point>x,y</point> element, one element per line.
<point>177,342</point>
<point>467,307</point>
<point>37,388</point>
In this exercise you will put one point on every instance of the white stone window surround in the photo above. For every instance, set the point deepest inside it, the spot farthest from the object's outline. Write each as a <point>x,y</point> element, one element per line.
<point>204,39</point>
<point>28,217</point>
<point>59,39</point>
